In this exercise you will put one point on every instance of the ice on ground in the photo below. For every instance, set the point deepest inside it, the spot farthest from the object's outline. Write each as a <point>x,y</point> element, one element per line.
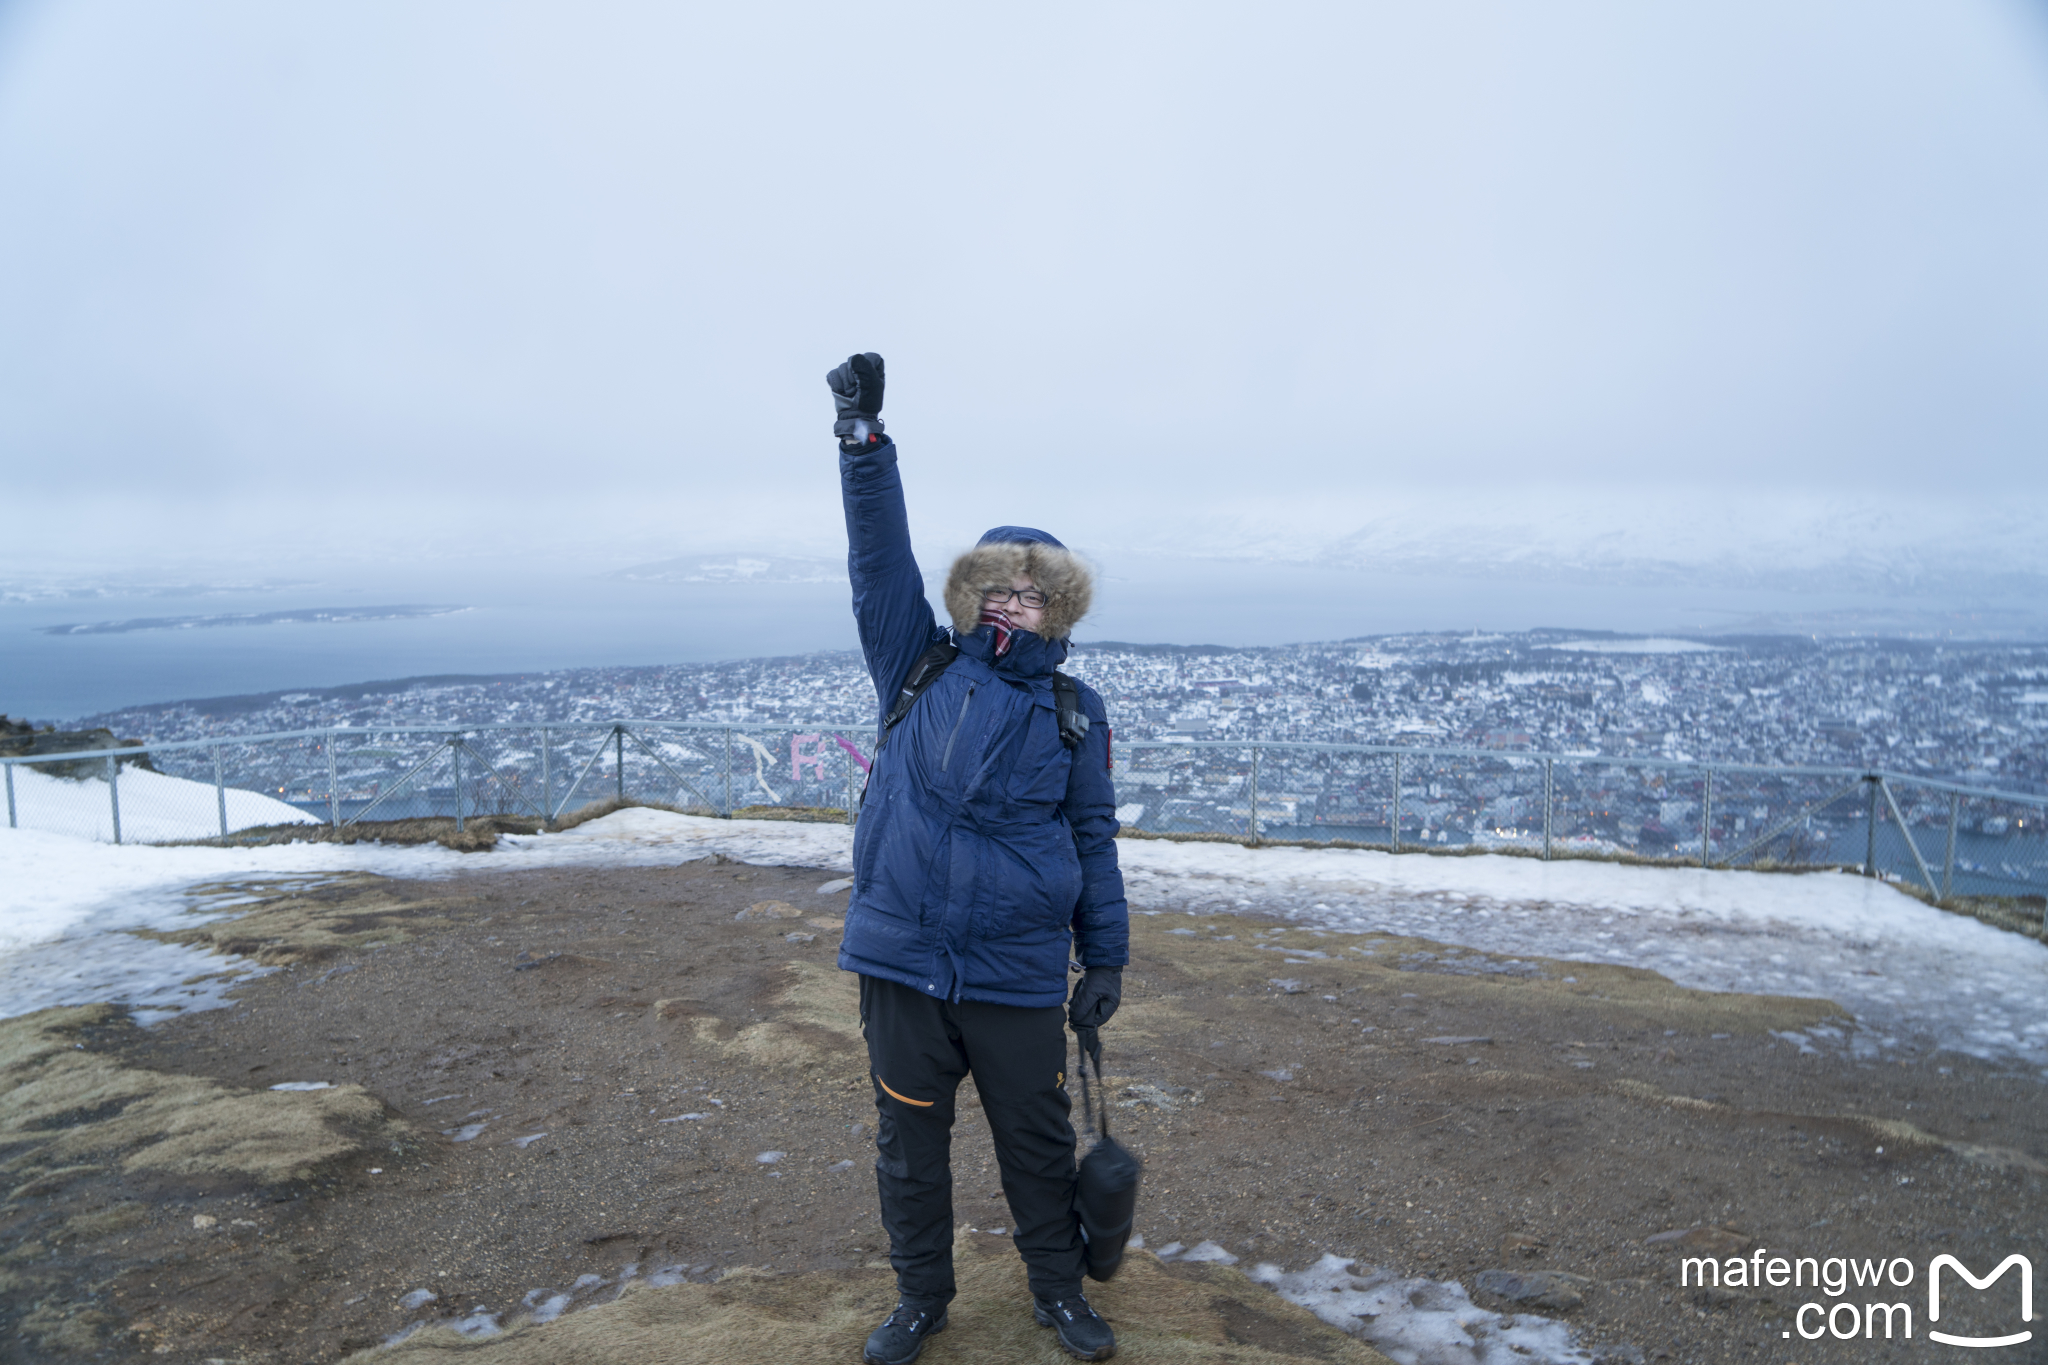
<point>418,1298</point>
<point>1418,1321</point>
<point>524,1142</point>
<point>154,806</point>
<point>303,1085</point>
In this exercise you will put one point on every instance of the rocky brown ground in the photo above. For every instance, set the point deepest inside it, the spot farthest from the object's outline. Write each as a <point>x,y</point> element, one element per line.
<point>529,1044</point>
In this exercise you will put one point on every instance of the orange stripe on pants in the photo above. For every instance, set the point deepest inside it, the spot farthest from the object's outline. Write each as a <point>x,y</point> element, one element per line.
<point>922,1104</point>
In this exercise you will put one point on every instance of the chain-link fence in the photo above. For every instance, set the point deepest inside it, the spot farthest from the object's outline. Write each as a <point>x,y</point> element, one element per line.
<point>200,789</point>
<point>1947,839</point>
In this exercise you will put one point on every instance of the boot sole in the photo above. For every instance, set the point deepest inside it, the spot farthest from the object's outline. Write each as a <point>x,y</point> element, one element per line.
<point>1045,1319</point>
<point>936,1328</point>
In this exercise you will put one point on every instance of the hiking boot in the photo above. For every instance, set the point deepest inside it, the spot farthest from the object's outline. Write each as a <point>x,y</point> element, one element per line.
<point>1082,1332</point>
<point>901,1337</point>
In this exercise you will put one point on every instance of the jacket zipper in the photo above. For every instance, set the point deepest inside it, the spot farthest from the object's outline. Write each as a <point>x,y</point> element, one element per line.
<point>946,759</point>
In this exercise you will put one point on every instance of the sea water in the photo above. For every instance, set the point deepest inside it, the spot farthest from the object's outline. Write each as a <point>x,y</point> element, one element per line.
<point>535,615</point>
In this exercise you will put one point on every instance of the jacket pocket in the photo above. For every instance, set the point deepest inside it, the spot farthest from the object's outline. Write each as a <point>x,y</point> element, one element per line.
<point>868,836</point>
<point>1037,886</point>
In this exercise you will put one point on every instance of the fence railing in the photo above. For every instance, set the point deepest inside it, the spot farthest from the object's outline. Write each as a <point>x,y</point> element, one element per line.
<point>1951,839</point>
<point>341,776</point>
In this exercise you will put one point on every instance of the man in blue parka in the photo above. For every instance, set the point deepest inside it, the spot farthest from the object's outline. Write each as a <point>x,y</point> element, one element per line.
<point>984,860</point>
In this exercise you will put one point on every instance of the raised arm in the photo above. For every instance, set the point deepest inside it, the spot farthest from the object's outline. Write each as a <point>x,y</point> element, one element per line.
<point>896,622</point>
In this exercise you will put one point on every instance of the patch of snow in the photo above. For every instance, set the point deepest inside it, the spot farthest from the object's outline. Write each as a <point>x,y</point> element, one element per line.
<point>1420,1321</point>
<point>303,1085</point>
<point>154,807</point>
<point>476,1326</point>
<point>418,1298</point>
<point>527,1141</point>
<point>549,1307</point>
<point>770,1158</point>
<point>466,1133</point>
<point>1210,1252</point>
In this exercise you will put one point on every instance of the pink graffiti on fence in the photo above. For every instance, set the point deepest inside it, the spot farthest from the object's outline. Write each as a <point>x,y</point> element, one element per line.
<point>853,751</point>
<point>803,753</point>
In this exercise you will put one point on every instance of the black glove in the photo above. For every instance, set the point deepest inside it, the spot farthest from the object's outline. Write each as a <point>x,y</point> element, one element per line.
<point>857,394</point>
<point>1096,996</point>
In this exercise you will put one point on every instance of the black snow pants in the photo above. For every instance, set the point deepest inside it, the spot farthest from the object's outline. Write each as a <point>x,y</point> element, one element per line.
<point>919,1048</point>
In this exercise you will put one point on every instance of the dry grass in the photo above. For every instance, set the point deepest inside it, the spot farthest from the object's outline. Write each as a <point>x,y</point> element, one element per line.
<point>62,1102</point>
<point>478,835</point>
<point>816,1016</point>
<point>811,815</point>
<point>1179,1315</point>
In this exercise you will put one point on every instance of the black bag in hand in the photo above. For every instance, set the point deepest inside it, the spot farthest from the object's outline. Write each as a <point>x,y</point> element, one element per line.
<point>1108,1197</point>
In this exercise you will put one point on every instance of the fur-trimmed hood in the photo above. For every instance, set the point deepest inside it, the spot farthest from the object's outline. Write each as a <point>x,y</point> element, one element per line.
<point>1003,554</point>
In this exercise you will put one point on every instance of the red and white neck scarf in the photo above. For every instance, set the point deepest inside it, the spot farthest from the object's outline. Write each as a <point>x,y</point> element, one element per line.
<point>1000,619</point>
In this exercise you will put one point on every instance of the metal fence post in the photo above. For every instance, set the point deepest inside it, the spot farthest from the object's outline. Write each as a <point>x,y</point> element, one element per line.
<point>1870,829</point>
<point>1546,810</point>
<point>220,792</point>
<point>1252,822</point>
<point>1394,820</point>
<point>1948,863</point>
<point>1706,812</point>
<point>333,785</point>
<point>728,773</point>
<point>114,793</point>
<point>10,796</point>
<point>455,757</point>
<point>547,779</point>
<point>619,757</point>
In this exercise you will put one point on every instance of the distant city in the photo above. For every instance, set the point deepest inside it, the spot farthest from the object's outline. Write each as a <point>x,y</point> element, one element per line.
<point>1977,713</point>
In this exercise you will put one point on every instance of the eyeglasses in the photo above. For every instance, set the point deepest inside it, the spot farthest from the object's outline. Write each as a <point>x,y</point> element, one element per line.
<point>1026,597</point>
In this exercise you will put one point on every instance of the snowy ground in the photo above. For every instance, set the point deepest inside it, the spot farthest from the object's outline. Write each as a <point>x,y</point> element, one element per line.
<point>153,806</point>
<point>1911,975</point>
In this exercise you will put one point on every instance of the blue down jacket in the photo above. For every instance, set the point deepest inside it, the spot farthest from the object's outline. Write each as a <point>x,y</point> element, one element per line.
<point>985,851</point>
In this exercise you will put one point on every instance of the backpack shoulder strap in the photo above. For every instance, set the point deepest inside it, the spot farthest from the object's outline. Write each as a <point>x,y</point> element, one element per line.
<point>1066,700</point>
<point>922,675</point>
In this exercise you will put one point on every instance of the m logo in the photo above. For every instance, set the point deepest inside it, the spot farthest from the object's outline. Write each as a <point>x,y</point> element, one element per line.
<point>2026,1268</point>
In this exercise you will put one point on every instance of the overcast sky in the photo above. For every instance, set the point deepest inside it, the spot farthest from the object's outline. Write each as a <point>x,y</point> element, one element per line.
<point>476,268</point>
